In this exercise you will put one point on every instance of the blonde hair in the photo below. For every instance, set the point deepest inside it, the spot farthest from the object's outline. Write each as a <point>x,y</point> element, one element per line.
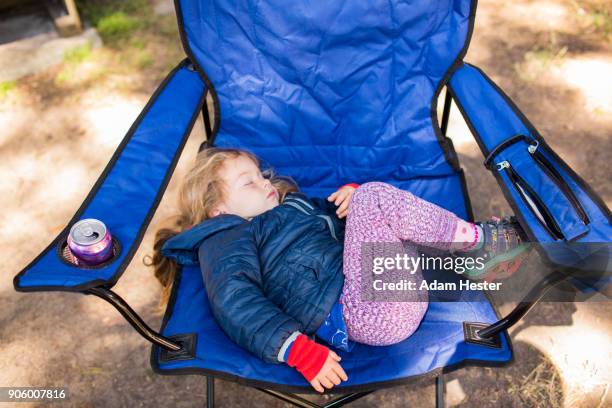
<point>201,192</point>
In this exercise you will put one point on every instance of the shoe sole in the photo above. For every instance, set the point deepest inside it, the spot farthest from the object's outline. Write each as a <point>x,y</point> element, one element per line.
<point>505,257</point>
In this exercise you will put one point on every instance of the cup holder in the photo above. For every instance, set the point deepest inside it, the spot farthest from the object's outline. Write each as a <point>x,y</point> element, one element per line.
<point>64,253</point>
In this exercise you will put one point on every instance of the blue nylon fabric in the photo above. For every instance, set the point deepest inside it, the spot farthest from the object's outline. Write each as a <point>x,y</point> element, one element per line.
<point>438,342</point>
<point>569,221</point>
<point>445,191</point>
<point>495,121</point>
<point>127,193</point>
<point>330,92</point>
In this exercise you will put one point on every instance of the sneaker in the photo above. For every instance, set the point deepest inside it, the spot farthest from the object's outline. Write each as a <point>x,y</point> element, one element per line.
<point>503,249</point>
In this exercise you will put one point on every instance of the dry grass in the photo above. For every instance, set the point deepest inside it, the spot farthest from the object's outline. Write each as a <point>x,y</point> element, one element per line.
<point>594,17</point>
<point>139,48</point>
<point>539,60</point>
<point>540,388</point>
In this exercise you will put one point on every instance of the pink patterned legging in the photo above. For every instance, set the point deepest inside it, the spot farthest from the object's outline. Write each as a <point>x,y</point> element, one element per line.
<point>381,213</point>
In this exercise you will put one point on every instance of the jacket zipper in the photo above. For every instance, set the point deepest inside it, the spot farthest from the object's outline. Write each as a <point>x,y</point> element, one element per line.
<point>330,224</point>
<point>531,199</point>
<point>326,218</point>
<point>558,180</point>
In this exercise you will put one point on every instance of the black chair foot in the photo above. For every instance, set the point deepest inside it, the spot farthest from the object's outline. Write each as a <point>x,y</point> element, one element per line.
<point>210,392</point>
<point>440,391</point>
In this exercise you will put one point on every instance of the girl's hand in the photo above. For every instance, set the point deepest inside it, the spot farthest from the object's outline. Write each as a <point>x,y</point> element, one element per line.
<point>331,373</point>
<point>342,199</point>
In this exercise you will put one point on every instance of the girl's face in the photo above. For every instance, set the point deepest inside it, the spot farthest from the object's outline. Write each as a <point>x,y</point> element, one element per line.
<point>248,193</point>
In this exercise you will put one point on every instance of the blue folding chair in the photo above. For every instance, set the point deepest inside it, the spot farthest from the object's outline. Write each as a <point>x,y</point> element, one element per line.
<point>330,93</point>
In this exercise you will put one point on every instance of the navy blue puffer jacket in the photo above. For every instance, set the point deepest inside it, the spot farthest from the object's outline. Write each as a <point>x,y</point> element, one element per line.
<point>266,278</point>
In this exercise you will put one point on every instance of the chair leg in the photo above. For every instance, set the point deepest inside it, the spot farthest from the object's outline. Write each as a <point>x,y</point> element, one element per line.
<point>346,399</point>
<point>537,293</point>
<point>290,398</point>
<point>304,403</point>
<point>210,391</point>
<point>446,112</point>
<point>440,391</point>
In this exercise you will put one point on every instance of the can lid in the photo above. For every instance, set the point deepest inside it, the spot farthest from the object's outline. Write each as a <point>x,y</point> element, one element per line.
<point>88,231</point>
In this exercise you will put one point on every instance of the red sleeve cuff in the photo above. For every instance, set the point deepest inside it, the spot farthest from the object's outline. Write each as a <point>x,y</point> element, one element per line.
<point>354,185</point>
<point>307,356</point>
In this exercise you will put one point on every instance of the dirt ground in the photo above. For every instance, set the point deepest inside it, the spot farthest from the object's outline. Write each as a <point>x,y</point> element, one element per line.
<point>59,128</point>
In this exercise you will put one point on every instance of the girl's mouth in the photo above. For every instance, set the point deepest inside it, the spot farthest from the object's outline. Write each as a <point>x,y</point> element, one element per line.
<point>272,194</point>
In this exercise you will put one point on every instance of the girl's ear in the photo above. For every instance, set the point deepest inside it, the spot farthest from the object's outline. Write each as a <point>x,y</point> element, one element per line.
<point>216,211</point>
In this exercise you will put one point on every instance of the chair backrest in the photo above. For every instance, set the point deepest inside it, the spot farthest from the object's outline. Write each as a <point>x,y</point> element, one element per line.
<point>331,92</point>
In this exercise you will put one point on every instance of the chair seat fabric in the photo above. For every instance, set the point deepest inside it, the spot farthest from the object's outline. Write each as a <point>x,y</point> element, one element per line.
<point>438,342</point>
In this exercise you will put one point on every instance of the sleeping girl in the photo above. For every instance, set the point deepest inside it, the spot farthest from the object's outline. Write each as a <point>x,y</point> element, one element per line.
<point>280,267</point>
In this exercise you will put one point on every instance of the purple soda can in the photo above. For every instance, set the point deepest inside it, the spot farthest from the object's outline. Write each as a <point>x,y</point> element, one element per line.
<point>90,241</point>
